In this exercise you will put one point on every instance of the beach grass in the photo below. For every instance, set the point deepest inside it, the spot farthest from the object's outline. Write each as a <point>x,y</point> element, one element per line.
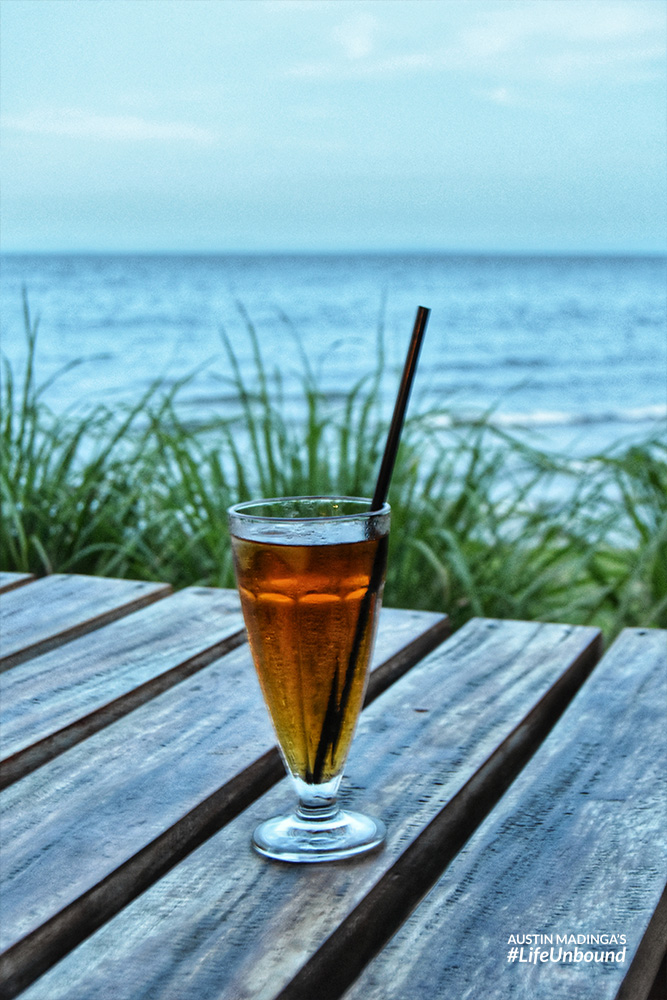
<point>482,522</point>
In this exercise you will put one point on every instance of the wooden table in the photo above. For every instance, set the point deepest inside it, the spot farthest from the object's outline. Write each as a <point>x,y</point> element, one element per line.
<point>520,775</point>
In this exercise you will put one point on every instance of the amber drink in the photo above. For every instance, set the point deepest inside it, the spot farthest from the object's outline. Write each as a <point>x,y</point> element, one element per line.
<point>310,573</point>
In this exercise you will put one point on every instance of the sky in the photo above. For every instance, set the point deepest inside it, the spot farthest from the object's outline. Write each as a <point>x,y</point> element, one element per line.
<point>334,125</point>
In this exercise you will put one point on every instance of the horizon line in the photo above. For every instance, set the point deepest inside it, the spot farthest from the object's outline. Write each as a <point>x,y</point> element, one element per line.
<point>385,252</point>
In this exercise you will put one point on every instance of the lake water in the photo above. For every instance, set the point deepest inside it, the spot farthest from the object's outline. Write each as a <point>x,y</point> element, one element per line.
<point>572,348</point>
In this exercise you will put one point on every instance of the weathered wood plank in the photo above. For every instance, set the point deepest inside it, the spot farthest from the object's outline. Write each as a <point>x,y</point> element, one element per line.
<point>576,846</point>
<point>226,923</point>
<point>89,830</point>
<point>53,701</point>
<point>407,637</point>
<point>9,581</point>
<point>54,609</point>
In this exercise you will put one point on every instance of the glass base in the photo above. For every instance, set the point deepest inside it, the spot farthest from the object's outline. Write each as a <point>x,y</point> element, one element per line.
<point>305,837</point>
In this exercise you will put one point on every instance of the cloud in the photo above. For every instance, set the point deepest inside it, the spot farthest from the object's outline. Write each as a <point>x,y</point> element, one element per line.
<point>543,39</point>
<point>550,40</point>
<point>75,123</point>
<point>409,62</point>
<point>355,42</point>
<point>356,35</point>
<point>500,95</point>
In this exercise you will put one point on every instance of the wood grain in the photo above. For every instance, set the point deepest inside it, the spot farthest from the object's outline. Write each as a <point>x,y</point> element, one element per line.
<point>89,830</point>
<point>53,701</point>
<point>226,923</point>
<point>55,609</point>
<point>576,846</point>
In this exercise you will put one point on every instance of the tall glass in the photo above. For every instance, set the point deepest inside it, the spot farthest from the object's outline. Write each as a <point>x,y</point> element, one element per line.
<point>310,573</point>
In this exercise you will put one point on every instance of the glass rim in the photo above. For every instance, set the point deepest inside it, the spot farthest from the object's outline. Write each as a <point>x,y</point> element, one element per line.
<point>241,509</point>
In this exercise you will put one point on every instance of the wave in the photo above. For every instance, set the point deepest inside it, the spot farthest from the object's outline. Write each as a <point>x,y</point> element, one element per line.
<point>560,418</point>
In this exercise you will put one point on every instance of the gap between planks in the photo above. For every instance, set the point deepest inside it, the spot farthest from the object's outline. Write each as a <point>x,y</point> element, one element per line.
<point>10,581</point>
<point>23,761</point>
<point>59,633</point>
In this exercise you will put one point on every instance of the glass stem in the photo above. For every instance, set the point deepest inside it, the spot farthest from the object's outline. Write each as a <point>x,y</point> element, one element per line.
<point>317,803</point>
<point>322,813</point>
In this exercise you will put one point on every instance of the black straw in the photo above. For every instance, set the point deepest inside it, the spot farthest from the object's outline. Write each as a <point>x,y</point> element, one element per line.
<point>393,438</point>
<point>335,712</point>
